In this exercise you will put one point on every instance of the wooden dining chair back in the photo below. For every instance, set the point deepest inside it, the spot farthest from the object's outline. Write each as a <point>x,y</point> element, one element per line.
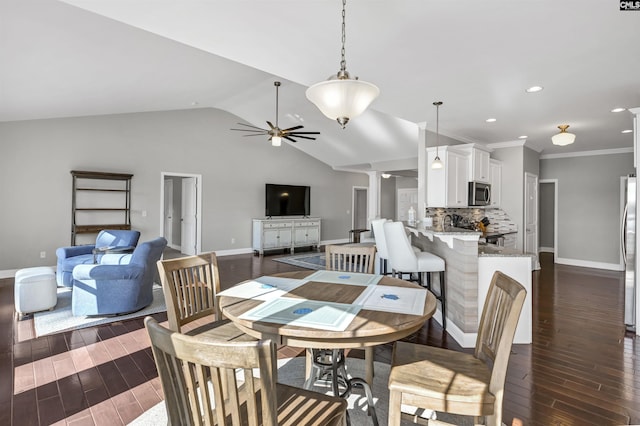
<point>190,285</point>
<point>455,382</point>
<point>202,385</point>
<point>350,258</point>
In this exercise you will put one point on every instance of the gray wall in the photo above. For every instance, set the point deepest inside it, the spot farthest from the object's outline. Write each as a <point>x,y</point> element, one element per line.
<point>37,156</point>
<point>588,205</point>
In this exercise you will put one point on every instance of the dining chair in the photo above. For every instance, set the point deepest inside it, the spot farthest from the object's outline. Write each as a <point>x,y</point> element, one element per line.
<point>403,259</point>
<point>201,384</point>
<point>351,258</point>
<point>190,286</point>
<point>456,382</point>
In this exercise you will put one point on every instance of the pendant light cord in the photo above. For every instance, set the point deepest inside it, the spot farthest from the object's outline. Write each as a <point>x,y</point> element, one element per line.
<point>343,62</point>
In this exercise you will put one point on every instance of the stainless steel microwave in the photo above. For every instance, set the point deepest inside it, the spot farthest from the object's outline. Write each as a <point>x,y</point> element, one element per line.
<point>479,194</point>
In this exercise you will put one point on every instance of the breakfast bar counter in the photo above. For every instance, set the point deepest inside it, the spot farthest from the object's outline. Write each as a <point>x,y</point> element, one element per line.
<point>469,267</point>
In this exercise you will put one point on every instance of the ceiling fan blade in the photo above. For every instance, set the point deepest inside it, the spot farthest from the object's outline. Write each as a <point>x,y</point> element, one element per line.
<point>257,134</point>
<point>250,125</point>
<point>303,137</point>
<point>289,139</point>
<point>293,128</point>
<point>304,133</point>
<point>271,125</point>
<point>251,130</point>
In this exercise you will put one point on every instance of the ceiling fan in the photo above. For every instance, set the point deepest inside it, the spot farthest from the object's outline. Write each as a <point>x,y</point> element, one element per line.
<point>276,133</point>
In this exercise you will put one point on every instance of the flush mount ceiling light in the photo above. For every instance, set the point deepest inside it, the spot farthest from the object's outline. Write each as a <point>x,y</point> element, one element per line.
<point>276,133</point>
<point>534,89</point>
<point>627,131</point>
<point>618,109</point>
<point>437,162</point>
<point>563,138</point>
<point>491,120</point>
<point>341,97</point>
<point>386,175</point>
<point>523,137</point>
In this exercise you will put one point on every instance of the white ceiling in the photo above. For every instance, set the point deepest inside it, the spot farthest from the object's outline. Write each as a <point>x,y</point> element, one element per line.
<point>89,57</point>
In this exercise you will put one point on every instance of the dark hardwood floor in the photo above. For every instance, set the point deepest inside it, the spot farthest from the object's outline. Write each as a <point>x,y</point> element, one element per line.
<point>580,369</point>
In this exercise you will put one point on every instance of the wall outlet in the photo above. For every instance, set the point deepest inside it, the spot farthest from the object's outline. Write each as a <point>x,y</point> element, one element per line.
<point>233,240</point>
<point>43,254</point>
<point>144,213</point>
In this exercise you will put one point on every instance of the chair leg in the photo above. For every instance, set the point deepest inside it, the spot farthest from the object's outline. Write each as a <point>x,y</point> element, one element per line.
<point>443,299</point>
<point>368,364</point>
<point>395,399</point>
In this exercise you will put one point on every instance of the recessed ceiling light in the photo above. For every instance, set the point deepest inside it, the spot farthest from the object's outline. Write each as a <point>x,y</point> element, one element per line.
<point>491,120</point>
<point>523,137</point>
<point>627,131</point>
<point>618,109</point>
<point>194,103</point>
<point>534,89</point>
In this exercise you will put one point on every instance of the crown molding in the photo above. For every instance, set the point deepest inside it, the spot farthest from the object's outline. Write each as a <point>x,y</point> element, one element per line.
<point>588,153</point>
<point>507,144</point>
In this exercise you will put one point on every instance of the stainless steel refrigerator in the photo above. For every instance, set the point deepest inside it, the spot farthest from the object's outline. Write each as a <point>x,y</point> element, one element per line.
<point>628,237</point>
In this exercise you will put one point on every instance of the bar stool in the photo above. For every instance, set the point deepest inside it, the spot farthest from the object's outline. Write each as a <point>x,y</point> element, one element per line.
<point>404,260</point>
<point>381,243</point>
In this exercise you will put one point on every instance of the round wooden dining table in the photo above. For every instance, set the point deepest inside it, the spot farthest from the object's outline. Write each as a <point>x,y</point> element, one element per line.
<point>368,328</point>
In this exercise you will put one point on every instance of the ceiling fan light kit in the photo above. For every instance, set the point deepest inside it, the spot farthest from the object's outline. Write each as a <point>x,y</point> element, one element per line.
<point>275,133</point>
<point>563,138</point>
<point>342,98</point>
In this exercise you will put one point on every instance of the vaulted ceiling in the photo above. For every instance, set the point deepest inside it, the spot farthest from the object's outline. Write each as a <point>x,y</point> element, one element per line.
<point>90,57</point>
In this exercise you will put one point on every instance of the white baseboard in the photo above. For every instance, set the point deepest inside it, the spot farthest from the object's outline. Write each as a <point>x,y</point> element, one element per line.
<point>340,241</point>
<point>234,251</point>
<point>466,340</point>
<point>590,264</point>
<point>547,249</point>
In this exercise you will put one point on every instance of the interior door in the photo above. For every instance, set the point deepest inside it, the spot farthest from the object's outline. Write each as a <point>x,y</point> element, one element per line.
<point>531,215</point>
<point>168,211</point>
<point>189,218</point>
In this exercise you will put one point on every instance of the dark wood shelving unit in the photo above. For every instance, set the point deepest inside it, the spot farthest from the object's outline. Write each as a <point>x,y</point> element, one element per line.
<point>99,215</point>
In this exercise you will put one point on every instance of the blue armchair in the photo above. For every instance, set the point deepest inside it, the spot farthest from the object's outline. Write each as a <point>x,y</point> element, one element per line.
<point>108,289</point>
<point>69,257</point>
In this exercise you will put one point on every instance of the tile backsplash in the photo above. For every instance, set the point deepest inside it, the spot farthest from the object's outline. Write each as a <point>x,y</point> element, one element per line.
<point>500,222</point>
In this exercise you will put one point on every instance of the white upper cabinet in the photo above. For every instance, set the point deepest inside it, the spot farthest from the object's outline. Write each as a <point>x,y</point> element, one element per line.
<point>479,165</point>
<point>447,187</point>
<point>495,179</point>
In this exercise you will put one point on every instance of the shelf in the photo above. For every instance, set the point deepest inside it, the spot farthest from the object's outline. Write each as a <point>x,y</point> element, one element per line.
<point>96,193</point>
<point>91,229</point>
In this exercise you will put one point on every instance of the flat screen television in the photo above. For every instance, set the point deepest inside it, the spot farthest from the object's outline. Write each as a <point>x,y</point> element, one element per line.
<point>287,200</point>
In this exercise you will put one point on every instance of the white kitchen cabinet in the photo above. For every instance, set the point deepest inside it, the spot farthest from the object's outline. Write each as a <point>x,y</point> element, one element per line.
<point>480,166</point>
<point>278,234</point>
<point>448,186</point>
<point>495,179</point>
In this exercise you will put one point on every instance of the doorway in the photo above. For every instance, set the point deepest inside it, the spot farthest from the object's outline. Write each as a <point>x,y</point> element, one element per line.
<point>360,199</point>
<point>548,217</point>
<point>181,215</point>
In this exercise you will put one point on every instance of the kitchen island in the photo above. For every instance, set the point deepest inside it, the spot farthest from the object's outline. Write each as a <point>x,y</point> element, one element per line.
<point>469,268</point>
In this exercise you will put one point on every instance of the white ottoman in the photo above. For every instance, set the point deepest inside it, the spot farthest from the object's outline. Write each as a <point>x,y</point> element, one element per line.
<point>35,290</point>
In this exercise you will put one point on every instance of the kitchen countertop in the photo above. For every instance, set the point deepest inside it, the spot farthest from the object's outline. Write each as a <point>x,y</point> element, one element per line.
<point>491,250</point>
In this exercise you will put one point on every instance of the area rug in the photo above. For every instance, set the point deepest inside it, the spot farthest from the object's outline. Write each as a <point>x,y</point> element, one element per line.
<point>308,260</point>
<point>291,372</point>
<point>61,319</point>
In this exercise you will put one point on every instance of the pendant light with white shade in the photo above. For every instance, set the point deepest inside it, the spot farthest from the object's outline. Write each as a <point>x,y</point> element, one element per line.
<point>342,98</point>
<point>563,138</point>
<point>437,162</point>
